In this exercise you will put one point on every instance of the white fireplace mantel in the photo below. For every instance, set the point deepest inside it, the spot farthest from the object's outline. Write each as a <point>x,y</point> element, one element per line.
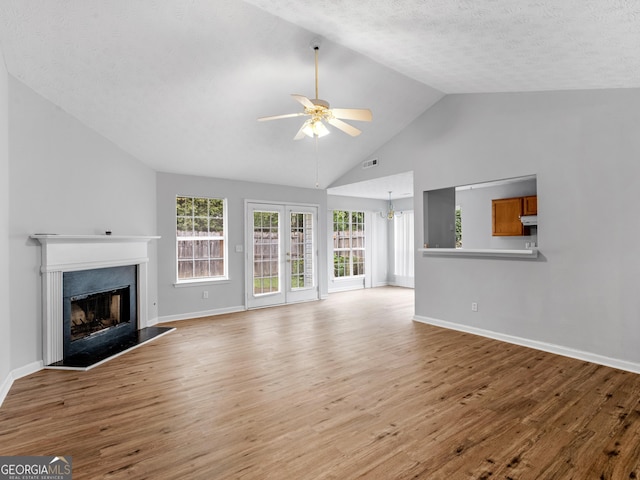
<point>83,252</point>
<point>67,253</point>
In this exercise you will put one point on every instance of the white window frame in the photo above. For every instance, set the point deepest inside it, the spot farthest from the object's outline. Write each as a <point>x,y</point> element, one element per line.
<point>351,249</point>
<point>223,238</point>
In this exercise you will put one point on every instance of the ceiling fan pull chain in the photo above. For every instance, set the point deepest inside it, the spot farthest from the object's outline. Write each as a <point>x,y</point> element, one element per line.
<point>317,163</point>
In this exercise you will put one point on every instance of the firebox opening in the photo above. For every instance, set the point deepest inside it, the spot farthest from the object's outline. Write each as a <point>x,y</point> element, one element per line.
<point>95,312</point>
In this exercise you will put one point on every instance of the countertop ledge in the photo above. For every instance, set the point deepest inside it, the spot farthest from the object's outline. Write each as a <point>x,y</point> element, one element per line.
<point>478,252</point>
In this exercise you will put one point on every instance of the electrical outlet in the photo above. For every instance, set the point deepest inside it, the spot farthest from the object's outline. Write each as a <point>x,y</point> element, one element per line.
<point>474,307</point>
<point>205,294</point>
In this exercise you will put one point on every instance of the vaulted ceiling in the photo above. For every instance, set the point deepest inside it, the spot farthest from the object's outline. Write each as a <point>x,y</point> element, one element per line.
<point>179,84</point>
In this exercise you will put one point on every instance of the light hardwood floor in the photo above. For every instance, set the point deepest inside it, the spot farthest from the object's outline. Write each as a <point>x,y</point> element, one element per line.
<point>343,388</point>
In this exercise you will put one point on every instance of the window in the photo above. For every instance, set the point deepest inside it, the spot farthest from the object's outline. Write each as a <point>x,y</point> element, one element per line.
<point>201,238</point>
<point>348,243</point>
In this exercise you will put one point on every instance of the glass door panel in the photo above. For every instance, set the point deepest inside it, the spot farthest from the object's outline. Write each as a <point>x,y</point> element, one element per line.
<point>301,254</point>
<point>266,252</point>
<point>264,266</point>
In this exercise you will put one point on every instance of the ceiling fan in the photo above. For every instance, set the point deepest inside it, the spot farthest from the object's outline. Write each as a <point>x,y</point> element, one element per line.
<point>319,112</point>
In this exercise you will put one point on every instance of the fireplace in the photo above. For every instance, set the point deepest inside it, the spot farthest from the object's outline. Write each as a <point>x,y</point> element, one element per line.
<point>92,313</point>
<point>94,298</point>
<point>99,308</point>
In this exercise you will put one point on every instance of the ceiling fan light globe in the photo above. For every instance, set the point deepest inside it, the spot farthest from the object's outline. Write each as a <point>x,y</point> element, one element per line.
<point>319,129</point>
<point>308,130</point>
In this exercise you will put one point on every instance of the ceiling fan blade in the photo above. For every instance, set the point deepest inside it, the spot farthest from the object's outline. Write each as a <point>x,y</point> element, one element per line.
<point>361,114</point>
<point>345,127</point>
<point>303,100</point>
<point>277,117</point>
<point>301,134</point>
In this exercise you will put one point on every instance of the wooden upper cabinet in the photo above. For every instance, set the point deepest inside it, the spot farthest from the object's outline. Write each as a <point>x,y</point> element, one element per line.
<point>530,205</point>
<point>505,217</point>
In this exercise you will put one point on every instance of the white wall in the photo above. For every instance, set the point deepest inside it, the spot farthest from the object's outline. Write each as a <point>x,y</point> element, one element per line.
<point>186,301</point>
<point>64,178</point>
<point>5,325</point>
<point>584,148</point>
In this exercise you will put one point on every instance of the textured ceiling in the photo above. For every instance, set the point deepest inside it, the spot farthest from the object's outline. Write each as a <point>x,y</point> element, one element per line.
<point>179,84</point>
<point>465,46</point>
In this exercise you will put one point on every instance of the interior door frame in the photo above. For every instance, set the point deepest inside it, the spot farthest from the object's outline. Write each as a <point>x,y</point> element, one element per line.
<point>286,295</point>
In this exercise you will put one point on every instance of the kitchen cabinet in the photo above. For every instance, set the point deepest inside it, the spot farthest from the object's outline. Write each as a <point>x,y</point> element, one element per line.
<point>506,212</point>
<point>505,217</point>
<point>530,205</point>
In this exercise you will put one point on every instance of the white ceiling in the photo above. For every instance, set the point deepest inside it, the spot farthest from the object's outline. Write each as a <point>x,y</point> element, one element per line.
<point>394,186</point>
<point>179,84</point>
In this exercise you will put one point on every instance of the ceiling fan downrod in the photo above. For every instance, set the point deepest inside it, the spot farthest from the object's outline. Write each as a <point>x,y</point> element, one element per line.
<point>316,48</point>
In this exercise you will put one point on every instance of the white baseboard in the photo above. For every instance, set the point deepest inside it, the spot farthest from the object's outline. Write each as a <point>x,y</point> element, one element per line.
<point>192,315</point>
<point>403,283</point>
<point>347,288</point>
<point>15,375</point>
<point>5,387</point>
<point>545,347</point>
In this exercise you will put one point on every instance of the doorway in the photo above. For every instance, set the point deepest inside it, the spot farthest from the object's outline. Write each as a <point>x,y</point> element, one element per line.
<point>282,254</point>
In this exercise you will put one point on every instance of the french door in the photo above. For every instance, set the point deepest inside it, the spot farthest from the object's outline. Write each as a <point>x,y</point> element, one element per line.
<point>282,254</point>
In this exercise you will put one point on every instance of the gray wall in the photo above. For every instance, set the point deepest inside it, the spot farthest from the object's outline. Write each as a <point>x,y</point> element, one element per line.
<point>186,301</point>
<point>476,215</point>
<point>64,178</point>
<point>584,147</point>
<point>5,326</point>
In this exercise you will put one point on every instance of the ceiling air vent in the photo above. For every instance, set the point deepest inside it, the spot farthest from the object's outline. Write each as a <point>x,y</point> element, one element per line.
<point>370,163</point>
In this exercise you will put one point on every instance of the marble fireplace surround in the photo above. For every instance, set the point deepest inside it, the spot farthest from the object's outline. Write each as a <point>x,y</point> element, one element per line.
<point>66,253</point>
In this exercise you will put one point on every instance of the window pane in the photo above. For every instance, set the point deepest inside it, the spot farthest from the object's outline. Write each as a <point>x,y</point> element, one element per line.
<point>341,264</point>
<point>184,206</point>
<point>216,249</point>
<point>201,268</point>
<point>185,227</point>
<point>185,269</point>
<point>216,207</point>
<point>358,263</point>
<point>201,249</point>
<point>216,226</point>
<point>185,249</point>
<point>217,268</point>
<point>201,207</point>
<point>201,226</point>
